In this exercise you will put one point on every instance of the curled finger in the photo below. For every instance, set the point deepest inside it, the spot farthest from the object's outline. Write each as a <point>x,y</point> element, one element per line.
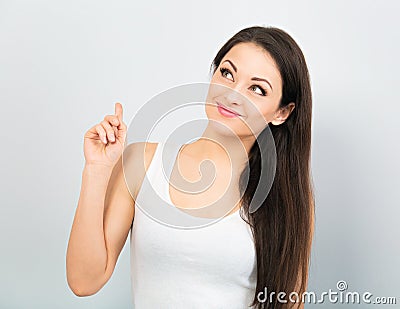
<point>102,133</point>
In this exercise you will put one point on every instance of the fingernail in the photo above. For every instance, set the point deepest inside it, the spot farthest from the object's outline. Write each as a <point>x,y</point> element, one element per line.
<point>112,137</point>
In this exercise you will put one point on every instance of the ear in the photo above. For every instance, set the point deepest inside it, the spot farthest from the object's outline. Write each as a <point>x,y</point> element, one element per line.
<point>281,115</point>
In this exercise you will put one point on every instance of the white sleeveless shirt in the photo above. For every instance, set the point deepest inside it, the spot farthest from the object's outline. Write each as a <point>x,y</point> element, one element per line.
<point>211,267</point>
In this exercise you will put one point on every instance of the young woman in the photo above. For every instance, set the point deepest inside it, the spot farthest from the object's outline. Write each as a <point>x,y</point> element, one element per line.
<point>241,261</point>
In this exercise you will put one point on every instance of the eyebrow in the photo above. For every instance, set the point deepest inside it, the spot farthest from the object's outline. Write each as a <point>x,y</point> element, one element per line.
<point>253,78</point>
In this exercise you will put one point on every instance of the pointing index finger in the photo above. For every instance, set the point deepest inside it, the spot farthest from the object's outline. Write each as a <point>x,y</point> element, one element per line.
<point>118,111</point>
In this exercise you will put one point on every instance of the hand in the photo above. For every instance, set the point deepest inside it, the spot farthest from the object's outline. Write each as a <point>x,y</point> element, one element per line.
<point>104,142</point>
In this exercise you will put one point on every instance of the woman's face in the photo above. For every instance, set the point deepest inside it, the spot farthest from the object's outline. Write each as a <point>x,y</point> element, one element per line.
<point>247,82</point>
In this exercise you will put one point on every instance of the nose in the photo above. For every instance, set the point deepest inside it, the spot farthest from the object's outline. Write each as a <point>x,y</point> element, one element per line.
<point>234,96</point>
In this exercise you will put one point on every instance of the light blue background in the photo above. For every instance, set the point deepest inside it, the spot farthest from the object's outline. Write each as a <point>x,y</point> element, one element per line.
<point>63,65</point>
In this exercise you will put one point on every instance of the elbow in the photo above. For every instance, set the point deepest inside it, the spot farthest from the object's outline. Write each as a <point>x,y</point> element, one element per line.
<point>83,289</point>
<point>79,292</point>
<point>82,293</point>
<point>83,285</point>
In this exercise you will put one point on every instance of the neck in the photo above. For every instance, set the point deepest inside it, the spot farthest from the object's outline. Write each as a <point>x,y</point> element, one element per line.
<point>217,148</point>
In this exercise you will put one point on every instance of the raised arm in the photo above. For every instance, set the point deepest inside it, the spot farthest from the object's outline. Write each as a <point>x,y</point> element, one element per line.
<point>105,208</point>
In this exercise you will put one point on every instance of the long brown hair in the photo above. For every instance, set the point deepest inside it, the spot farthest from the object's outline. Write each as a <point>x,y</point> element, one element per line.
<point>283,226</point>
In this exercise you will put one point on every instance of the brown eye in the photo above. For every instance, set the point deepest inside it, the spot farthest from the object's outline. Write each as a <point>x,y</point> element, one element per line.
<point>261,89</point>
<point>225,70</point>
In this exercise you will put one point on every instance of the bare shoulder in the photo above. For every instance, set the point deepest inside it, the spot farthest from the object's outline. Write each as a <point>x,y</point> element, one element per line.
<point>136,161</point>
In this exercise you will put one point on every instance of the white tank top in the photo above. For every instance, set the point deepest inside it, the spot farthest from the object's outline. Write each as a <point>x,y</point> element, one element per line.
<point>211,267</point>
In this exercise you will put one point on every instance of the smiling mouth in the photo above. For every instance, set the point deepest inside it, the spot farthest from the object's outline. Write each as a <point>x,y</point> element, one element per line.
<point>226,112</point>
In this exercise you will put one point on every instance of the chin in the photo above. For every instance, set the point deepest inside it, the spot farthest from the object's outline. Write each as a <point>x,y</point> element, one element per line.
<point>222,128</point>
<point>226,130</point>
<point>225,126</point>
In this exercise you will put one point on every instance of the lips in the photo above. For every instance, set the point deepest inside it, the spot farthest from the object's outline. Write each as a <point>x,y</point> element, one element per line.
<point>226,111</point>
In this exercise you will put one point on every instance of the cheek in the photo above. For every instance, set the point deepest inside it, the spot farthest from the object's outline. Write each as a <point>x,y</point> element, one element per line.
<point>263,112</point>
<point>212,112</point>
<point>258,118</point>
<point>266,115</point>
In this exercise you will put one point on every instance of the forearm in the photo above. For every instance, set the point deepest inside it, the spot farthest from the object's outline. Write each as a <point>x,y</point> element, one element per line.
<point>87,252</point>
